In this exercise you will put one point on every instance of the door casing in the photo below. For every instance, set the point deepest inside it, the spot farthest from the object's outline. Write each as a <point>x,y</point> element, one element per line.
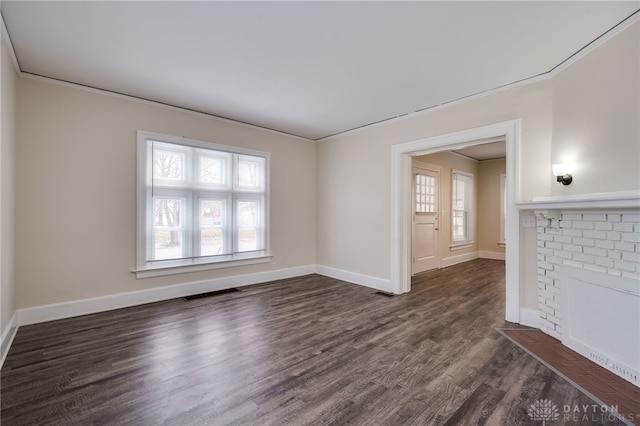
<point>401,166</point>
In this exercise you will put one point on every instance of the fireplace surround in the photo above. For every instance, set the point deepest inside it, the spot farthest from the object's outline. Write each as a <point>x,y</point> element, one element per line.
<point>588,250</point>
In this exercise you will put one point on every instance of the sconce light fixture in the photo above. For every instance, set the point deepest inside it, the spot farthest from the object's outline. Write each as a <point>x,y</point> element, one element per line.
<point>562,173</point>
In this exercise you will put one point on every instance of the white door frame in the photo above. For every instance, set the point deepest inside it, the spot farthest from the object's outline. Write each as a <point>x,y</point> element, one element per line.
<point>401,203</point>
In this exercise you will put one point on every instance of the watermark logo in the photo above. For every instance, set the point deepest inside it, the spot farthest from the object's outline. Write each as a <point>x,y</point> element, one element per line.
<point>544,410</point>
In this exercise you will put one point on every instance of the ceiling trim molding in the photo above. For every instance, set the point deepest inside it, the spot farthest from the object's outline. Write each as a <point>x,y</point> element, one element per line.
<point>463,156</point>
<point>9,44</point>
<point>611,33</point>
<point>170,107</point>
<point>428,110</point>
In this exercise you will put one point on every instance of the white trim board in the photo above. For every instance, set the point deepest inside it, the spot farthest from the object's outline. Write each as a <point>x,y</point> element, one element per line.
<point>600,200</point>
<point>55,311</point>
<point>7,337</point>
<point>494,255</point>
<point>530,317</point>
<point>74,308</point>
<point>355,278</point>
<point>460,258</point>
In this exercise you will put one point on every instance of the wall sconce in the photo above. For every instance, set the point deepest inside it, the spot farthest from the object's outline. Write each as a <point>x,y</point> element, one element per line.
<point>562,173</point>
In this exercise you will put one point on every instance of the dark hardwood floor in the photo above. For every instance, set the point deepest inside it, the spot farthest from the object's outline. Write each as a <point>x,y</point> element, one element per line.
<point>309,350</point>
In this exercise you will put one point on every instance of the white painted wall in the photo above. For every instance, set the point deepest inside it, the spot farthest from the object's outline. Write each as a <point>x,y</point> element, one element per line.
<point>76,183</point>
<point>7,188</point>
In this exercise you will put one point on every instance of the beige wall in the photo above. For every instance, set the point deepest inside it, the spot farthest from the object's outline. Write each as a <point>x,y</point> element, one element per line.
<point>354,172</point>
<point>331,202</point>
<point>76,204</point>
<point>448,161</point>
<point>489,196</point>
<point>596,105</point>
<point>354,169</point>
<point>7,187</point>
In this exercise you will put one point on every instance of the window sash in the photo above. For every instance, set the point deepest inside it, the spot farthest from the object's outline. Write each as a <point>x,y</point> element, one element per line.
<point>461,207</point>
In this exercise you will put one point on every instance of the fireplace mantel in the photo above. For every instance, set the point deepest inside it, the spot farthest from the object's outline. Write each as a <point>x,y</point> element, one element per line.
<point>603,200</point>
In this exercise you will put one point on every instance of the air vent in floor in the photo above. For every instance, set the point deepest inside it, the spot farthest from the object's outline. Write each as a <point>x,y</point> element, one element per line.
<point>210,294</point>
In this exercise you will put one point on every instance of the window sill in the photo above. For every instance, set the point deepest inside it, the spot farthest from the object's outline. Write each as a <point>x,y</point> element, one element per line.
<point>461,245</point>
<point>195,267</point>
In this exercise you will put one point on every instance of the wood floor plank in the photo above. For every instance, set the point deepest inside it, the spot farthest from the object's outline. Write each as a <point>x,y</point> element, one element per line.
<point>309,350</point>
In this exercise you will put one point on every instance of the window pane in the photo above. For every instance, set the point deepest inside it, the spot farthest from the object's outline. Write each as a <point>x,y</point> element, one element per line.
<point>211,242</point>
<point>212,224</point>
<point>212,213</point>
<point>250,172</point>
<point>211,170</point>
<point>167,244</point>
<point>167,212</point>
<point>167,223</point>
<point>247,218</point>
<point>168,165</point>
<point>459,226</point>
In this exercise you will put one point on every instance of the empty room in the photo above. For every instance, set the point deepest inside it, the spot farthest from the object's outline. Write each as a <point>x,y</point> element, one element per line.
<point>345,212</point>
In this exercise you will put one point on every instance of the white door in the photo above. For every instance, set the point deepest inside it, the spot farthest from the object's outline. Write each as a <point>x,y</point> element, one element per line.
<point>425,251</point>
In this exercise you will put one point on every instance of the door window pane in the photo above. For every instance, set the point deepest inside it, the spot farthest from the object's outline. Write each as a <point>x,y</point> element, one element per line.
<point>425,194</point>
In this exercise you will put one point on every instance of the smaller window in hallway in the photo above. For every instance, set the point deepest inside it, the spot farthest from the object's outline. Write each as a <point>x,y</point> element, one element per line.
<point>462,208</point>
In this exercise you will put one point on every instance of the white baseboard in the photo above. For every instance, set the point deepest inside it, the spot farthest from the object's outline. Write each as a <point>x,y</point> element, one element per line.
<point>494,255</point>
<point>7,337</point>
<point>122,300</point>
<point>454,260</point>
<point>356,278</point>
<point>530,317</point>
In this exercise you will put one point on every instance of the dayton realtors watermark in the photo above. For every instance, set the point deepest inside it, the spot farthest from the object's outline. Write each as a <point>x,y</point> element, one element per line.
<point>546,411</point>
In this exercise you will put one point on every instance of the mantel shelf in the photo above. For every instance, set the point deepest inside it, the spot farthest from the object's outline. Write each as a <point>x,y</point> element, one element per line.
<point>605,200</point>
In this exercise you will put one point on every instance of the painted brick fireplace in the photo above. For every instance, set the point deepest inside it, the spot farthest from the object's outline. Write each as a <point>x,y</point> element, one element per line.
<point>589,279</point>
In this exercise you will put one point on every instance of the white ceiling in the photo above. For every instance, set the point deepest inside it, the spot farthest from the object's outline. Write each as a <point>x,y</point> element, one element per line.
<point>311,69</point>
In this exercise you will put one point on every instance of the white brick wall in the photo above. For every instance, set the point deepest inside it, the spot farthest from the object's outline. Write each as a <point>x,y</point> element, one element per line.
<point>607,242</point>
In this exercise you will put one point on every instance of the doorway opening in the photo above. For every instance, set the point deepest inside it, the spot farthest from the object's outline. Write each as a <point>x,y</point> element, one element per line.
<point>462,217</point>
<point>401,214</point>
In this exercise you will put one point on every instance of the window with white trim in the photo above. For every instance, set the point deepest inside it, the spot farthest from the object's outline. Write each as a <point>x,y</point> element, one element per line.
<point>199,203</point>
<point>462,214</point>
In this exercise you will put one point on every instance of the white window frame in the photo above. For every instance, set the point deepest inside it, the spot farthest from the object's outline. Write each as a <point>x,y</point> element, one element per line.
<point>147,267</point>
<point>469,209</point>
